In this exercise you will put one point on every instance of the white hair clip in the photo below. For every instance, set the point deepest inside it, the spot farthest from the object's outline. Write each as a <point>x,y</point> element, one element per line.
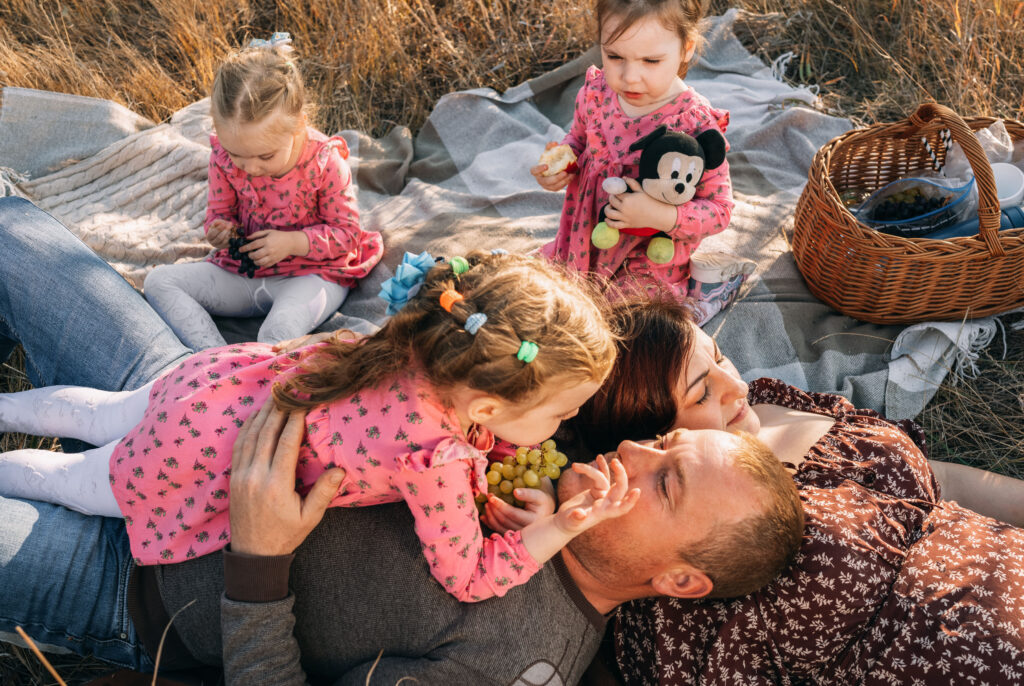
<point>279,38</point>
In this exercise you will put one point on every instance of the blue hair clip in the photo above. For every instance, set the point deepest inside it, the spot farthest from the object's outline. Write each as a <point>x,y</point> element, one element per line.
<point>277,39</point>
<point>406,282</point>
<point>474,322</point>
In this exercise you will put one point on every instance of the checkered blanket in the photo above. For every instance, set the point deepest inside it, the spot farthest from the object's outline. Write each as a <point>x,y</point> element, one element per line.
<point>136,193</point>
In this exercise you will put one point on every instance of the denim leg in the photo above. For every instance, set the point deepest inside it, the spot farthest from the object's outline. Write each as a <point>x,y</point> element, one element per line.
<point>79,321</point>
<point>64,577</point>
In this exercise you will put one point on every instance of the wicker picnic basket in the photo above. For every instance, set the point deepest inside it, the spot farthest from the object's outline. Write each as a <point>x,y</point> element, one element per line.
<point>886,279</point>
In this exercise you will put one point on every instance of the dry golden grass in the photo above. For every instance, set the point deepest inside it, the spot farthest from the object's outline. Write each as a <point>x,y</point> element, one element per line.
<point>371,64</point>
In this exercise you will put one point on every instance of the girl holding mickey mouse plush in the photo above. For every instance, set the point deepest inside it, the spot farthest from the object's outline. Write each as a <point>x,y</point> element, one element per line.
<point>646,47</point>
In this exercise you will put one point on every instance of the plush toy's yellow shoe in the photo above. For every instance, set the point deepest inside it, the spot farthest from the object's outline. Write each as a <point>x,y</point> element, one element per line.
<point>661,250</point>
<point>604,236</point>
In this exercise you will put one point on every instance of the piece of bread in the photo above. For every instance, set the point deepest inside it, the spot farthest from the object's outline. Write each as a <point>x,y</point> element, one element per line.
<point>558,159</point>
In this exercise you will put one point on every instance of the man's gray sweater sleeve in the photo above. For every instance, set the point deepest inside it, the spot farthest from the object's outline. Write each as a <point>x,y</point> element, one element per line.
<point>358,588</point>
<point>257,622</point>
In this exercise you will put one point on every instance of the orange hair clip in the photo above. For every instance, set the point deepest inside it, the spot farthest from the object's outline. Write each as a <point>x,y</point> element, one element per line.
<point>449,298</point>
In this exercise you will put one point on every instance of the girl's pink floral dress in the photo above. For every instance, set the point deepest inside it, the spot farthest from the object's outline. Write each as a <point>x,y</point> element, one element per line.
<point>170,475</point>
<point>600,136</point>
<point>315,196</point>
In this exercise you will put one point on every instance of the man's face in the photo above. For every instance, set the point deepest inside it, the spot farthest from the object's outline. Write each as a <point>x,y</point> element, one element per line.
<point>689,484</point>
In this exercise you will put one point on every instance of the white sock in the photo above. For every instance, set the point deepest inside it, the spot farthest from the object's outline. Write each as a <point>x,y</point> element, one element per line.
<point>87,414</point>
<point>78,481</point>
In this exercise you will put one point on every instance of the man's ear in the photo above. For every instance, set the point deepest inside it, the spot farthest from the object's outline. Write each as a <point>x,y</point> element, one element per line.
<point>483,408</point>
<point>683,582</point>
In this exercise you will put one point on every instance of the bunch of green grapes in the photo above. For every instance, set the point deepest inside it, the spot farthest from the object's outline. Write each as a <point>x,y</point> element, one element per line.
<point>524,470</point>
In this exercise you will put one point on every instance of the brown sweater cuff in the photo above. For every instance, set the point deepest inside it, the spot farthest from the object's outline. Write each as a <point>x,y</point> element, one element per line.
<point>256,578</point>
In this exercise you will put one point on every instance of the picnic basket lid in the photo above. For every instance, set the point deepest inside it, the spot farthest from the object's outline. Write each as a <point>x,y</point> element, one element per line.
<point>888,279</point>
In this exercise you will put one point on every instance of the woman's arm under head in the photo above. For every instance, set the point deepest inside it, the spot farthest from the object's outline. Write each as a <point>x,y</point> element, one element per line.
<point>987,493</point>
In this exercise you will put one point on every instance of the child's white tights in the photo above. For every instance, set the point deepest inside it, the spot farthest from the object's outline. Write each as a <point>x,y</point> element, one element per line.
<point>79,481</point>
<point>88,414</point>
<point>185,295</point>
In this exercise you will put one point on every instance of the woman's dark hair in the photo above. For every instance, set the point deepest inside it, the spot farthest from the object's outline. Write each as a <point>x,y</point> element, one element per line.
<point>655,339</point>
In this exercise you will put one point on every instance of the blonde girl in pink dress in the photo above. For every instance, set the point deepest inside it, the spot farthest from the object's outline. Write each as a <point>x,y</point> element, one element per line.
<point>491,346</point>
<point>646,47</point>
<point>288,190</point>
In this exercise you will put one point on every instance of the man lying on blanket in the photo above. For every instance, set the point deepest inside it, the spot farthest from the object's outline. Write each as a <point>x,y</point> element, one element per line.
<point>303,594</point>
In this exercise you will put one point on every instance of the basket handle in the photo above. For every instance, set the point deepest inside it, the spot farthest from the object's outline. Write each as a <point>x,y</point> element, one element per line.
<point>988,202</point>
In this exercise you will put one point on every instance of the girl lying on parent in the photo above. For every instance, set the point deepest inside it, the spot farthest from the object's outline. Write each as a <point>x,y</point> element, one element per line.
<point>896,581</point>
<point>304,592</point>
<point>268,606</point>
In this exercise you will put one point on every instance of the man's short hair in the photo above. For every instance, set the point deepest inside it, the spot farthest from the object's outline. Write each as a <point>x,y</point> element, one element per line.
<point>741,557</point>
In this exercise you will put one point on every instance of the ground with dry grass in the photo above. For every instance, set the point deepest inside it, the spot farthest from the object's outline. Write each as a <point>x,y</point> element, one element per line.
<point>372,64</point>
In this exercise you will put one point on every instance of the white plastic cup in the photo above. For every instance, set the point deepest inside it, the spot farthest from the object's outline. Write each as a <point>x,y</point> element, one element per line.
<point>1009,184</point>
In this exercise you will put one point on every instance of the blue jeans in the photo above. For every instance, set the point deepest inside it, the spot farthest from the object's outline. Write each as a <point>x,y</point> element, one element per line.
<point>64,575</point>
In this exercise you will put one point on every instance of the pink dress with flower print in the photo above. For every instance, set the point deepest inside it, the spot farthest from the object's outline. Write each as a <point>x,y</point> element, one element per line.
<point>600,136</point>
<point>170,475</point>
<point>315,197</point>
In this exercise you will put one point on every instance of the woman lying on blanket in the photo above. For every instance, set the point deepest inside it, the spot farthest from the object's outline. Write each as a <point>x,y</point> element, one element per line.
<point>895,582</point>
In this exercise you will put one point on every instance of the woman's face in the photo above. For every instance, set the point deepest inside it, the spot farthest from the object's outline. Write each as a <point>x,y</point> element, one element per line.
<point>710,393</point>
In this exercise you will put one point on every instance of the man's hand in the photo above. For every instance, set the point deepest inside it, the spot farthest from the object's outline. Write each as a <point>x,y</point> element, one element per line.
<point>268,517</point>
<point>638,210</point>
<point>268,247</point>
<point>219,233</point>
<point>610,496</point>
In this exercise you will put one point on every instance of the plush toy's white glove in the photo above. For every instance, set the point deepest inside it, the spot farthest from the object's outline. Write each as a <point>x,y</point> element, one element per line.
<point>614,185</point>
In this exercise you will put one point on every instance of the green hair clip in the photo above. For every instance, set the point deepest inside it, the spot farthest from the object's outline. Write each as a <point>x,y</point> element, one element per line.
<point>459,265</point>
<point>527,352</point>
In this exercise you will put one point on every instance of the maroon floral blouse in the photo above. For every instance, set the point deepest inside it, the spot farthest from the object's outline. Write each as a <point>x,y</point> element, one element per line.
<point>891,585</point>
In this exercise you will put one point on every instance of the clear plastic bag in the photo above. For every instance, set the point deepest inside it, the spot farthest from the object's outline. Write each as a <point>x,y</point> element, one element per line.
<point>918,205</point>
<point>995,142</point>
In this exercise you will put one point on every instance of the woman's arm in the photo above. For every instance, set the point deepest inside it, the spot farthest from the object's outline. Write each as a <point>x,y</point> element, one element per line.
<point>987,493</point>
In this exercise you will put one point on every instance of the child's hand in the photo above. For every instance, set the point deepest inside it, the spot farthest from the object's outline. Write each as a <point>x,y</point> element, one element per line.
<point>609,497</point>
<point>637,209</point>
<point>502,517</point>
<point>268,247</point>
<point>219,232</point>
<point>555,182</point>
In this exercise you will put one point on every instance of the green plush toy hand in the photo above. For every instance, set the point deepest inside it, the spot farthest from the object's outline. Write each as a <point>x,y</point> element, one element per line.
<point>660,250</point>
<point>604,236</point>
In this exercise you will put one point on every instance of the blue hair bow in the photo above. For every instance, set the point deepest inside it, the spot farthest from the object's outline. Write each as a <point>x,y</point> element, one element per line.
<point>278,38</point>
<point>408,279</point>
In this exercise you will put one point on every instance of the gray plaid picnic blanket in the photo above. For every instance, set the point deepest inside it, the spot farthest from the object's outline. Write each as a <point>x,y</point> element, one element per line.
<point>135,192</point>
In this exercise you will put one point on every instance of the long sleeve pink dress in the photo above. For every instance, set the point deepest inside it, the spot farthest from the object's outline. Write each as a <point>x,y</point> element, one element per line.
<point>600,135</point>
<point>396,441</point>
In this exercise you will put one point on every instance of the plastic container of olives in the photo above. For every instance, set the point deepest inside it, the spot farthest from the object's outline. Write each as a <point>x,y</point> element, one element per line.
<point>917,206</point>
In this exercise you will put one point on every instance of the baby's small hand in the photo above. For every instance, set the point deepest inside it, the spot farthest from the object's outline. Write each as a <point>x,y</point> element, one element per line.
<point>268,247</point>
<point>219,233</point>
<point>609,497</point>
<point>637,209</point>
<point>555,182</point>
<point>502,517</point>
<point>313,338</point>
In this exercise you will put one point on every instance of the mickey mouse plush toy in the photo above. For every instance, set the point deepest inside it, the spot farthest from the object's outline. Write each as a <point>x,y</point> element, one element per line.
<point>671,166</point>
